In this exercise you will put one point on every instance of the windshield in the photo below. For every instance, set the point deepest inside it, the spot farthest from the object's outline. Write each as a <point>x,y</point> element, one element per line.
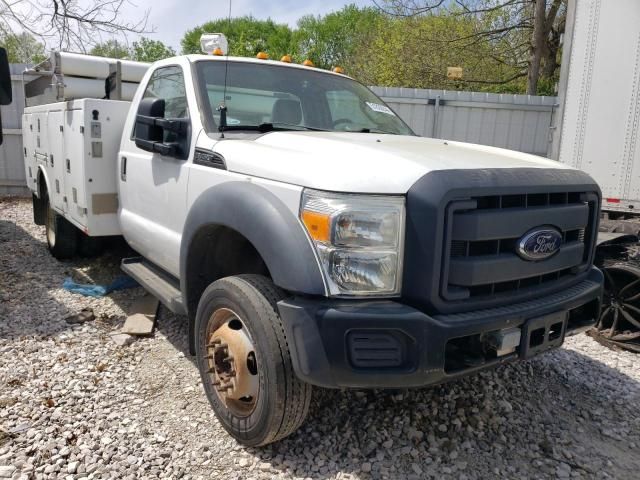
<point>280,97</point>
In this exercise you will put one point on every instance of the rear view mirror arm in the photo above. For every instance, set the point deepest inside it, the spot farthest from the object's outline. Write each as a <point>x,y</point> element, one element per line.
<point>166,149</point>
<point>177,125</point>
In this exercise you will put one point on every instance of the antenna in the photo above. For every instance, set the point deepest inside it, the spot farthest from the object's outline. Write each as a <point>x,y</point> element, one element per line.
<point>223,106</point>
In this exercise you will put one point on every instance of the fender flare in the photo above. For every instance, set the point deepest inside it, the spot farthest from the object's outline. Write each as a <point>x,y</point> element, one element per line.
<point>264,220</point>
<point>47,184</point>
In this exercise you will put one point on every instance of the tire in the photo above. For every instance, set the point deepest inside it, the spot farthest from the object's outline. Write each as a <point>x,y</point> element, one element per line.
<point>281,403</point>
<point>89,246</point>
<point>61,234</point>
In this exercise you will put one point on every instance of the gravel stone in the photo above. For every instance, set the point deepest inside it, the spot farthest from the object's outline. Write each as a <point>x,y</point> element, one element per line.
<point>7,471</point>
<point>75,404</point>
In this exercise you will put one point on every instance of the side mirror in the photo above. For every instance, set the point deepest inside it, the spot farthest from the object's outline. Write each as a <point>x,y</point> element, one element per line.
<point>147,134</point>
<point>5,84</point>
<point>151,127</point>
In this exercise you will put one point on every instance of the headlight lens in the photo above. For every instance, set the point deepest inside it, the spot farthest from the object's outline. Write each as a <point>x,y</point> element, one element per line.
<point>359,240</point>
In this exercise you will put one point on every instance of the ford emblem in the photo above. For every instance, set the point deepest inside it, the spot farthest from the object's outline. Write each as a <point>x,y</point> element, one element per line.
<point>539,244</point>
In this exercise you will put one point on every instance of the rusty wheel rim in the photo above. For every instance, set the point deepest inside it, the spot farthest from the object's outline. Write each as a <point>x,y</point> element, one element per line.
<point>231,362</point>
<point>620,316</point>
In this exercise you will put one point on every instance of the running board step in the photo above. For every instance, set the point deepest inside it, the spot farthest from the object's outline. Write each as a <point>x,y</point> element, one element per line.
<point>156,281</point>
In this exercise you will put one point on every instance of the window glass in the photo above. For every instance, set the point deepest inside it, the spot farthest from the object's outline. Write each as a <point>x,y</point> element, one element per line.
<point>259,93</point>
<point>168,83</point>
<point>346,108</point>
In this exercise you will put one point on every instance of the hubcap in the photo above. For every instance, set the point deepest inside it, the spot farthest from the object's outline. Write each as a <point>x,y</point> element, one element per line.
<point>232,363</point>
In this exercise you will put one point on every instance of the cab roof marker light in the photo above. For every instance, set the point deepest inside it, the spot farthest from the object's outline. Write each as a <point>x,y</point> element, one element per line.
<point>286,58</point>
<point>214,44</point>
<point>307,63</point>
<point>262,56</point>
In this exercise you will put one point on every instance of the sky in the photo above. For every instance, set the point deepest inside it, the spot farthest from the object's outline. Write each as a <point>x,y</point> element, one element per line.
<point>171,18</point>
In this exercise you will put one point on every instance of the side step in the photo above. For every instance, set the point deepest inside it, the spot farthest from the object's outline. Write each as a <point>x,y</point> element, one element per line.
<point>156,281</point>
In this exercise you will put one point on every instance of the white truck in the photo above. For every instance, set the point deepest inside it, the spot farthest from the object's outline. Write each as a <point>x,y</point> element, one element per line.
<point>598,131</point>
<point>309,237</point>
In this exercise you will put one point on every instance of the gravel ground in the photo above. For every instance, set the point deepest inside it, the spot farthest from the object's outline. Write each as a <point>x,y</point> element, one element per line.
<point>76,404</point>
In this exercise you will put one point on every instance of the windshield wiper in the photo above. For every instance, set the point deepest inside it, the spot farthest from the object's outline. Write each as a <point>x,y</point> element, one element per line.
<point>374,130</point>
<point>270,127</point>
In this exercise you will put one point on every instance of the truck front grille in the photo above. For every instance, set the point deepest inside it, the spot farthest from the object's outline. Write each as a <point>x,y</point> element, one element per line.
<point>482,236</point>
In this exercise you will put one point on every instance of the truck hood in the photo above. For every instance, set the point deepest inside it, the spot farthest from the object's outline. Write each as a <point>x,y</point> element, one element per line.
<point>361,162</point>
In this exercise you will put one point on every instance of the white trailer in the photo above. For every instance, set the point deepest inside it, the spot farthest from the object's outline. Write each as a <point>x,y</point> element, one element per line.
<point>600,99</point>
<point>597,131</point>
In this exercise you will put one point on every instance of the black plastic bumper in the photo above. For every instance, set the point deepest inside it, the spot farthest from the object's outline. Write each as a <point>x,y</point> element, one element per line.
<point>385,344</point>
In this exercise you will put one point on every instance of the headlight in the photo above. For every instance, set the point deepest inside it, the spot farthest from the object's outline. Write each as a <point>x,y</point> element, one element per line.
<point>359,240</point>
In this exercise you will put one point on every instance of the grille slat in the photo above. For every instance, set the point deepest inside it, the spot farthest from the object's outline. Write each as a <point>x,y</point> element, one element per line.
<point>483,242</point>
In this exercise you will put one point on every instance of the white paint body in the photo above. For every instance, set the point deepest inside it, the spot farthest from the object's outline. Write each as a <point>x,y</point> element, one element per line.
<point>601,122</point>
<point>155,197</point>
<point>77,161</point>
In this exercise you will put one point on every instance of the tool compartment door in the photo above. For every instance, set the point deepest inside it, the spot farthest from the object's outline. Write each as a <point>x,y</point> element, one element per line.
<point>103,124</point>
<point>29,153</point>
<point>56,160</point>
<point>73,167</point>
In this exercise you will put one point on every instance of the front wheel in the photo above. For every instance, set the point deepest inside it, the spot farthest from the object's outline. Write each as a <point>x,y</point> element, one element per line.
<point>244,361</point>
<point>61,234</point>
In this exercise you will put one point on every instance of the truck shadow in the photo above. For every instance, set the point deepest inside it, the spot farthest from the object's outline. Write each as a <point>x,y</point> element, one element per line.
<point>566,406</point>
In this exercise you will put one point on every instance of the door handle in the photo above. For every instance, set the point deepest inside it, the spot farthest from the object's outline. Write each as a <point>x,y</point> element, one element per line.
<point>123,169</point>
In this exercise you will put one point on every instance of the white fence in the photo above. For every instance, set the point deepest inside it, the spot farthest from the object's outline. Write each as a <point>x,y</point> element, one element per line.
<point>518,122</point>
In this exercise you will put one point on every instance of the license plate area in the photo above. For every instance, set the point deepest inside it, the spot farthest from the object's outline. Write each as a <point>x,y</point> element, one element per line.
<point>543,333</point>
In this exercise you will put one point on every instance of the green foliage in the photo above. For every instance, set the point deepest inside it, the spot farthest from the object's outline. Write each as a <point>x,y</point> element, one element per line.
<point>336,38</point>
<point>147,50</point>
<point>111,49</point>
<point>23,48</point>
<point>378,48</point>
<point>416,51</point>
<point>246,35</point>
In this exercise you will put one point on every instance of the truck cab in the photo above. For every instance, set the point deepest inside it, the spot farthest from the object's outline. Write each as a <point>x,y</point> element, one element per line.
<point>311,238</point>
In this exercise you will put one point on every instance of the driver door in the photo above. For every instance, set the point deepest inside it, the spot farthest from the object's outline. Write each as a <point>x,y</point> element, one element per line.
<point>153,187</point>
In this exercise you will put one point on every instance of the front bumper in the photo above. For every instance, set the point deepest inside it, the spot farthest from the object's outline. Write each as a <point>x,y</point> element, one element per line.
<point>386,344</point>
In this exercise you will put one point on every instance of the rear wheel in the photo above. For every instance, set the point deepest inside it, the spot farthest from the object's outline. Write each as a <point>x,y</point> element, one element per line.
<point>89,246</point>
<point>61,234</point>
<point>244,361</point>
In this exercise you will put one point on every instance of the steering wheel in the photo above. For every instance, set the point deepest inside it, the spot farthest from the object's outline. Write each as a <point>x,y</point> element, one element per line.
<point>342,120</point>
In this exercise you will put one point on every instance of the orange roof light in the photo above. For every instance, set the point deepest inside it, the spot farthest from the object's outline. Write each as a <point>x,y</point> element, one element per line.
<point>339,70</point>
<point>262,56</point>
<point>286,58</point>
<point>218,51</point>
<point>307,63</point>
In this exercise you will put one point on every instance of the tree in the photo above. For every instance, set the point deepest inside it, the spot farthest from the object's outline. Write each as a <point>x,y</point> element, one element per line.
<point>336,38</point>
<point>246,35</point>
<point>147,50</point>
<point>408,52</point>
<point>69,24</point>
<point>524,34</point>
<point>111,49</point>
<point>23,48</point>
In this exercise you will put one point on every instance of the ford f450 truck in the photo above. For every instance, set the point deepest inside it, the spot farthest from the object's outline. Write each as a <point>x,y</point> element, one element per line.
<point>309,237</point>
